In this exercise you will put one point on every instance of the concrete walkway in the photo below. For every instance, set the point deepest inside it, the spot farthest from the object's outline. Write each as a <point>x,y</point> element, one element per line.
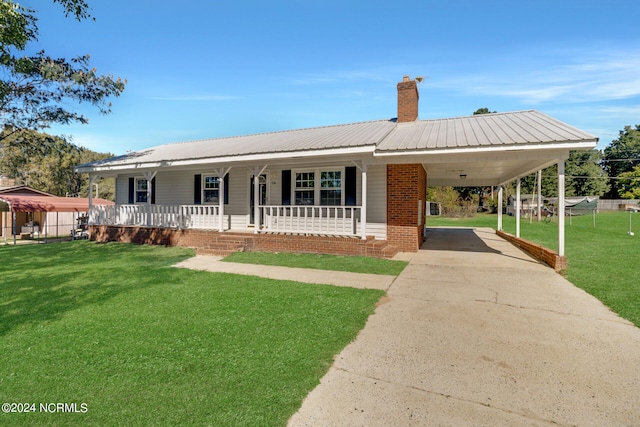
<point>475,333</point>
<point>307,275</point>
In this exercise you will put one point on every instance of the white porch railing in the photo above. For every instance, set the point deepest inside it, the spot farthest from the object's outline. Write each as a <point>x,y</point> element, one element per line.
<point>335,220</point>
<point>162,216</point>
<point>338,220</point>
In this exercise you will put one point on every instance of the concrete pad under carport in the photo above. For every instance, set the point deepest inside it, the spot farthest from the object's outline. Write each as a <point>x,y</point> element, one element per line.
<point>475,332</point>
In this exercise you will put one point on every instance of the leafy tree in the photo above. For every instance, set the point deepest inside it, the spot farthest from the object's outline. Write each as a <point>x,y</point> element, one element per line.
<point>452,203</point>
<point>629,184</point>
<point>621,156</point>
<point>46,162</point>
<point>483,110</point>
<point>37,90</point>
<point>584,177</point>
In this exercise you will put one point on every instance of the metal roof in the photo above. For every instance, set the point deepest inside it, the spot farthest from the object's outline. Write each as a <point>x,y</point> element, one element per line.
<point>48,203</point>
<point>381,138</point>
<point>482,130</point>
<point>354,135</point>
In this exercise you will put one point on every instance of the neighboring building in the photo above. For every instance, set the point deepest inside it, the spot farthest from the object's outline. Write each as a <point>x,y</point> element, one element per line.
<point>25,211</point>
<point>366,180</point>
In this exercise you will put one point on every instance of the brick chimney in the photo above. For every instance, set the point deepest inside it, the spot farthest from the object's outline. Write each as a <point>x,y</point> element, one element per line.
<point>407,100</point>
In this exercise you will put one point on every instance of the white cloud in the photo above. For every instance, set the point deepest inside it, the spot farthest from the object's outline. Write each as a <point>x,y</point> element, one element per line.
<point>582,76</point>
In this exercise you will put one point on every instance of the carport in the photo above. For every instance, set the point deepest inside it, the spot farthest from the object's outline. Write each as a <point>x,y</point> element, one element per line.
<point>489,150</point>
<point>28,200</point>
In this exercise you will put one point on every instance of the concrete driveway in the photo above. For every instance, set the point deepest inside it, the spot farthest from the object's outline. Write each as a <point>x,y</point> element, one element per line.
<point>476,333</point>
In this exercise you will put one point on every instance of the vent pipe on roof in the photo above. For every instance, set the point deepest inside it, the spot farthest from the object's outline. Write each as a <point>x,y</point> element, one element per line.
<point>407,100</point>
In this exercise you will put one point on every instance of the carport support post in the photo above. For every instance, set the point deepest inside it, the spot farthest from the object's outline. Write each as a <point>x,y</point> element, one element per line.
<point>518,207</point>
<point>500,208</point>
<point>540,195</point>
<point>561,207</point>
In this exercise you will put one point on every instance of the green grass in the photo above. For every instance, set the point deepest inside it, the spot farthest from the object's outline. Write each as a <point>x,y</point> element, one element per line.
<point>354,264</point>
<point>603,260</point>
<point>141,343</point>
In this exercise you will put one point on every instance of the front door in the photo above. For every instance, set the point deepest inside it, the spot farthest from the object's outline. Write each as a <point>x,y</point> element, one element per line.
<point>262,189</point>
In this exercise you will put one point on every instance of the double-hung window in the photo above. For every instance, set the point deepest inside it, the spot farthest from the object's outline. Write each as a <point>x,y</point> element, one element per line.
<point>330,188</point>
<point>141,190</point>
<point>305,188</point>
<point>323,187</point>
<point>211,189</point>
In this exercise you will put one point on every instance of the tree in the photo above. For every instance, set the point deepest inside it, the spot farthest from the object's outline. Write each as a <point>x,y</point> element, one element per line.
<point>622,155</point>
<point>46,163</point>
<point>584,177</point>
<point>483,110</point>
<point>629,184</point>
<point>38,90</point>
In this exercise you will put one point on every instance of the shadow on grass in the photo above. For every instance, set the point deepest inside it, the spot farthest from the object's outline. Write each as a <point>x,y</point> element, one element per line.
<point>42,282</point>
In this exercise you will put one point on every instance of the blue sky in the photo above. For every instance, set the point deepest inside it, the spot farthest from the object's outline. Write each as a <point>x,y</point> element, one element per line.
<point>204,69</point>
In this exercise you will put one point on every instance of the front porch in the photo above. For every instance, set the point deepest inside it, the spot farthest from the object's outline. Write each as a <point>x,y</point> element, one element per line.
<point>304,220</point>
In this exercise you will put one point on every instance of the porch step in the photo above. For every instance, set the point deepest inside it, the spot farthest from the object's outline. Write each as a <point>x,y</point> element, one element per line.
<point>381,249</point>
<point>225,244</point>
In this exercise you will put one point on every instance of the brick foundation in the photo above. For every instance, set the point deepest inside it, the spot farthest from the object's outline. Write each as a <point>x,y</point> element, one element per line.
<point>548,256</point>
<point>216,243</point>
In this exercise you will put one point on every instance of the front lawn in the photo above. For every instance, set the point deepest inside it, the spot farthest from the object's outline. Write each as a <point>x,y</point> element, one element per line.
<point>354,264</point>
<point>114,327</point>
<point>603,260</point>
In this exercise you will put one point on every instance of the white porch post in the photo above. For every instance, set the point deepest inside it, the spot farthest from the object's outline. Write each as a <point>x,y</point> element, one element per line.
<point>561,207</point>
<point>256,202</point>
<point>149,177</point>
<point>499,208</point>
<point>222,172</point>
<point>363,211</point>
<point>518,208</point>
<point>257,171</point>
<point>92,179</point>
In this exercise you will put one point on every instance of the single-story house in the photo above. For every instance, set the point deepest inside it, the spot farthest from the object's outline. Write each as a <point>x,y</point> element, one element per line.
<point>322,189</point>
<point>27,211</point>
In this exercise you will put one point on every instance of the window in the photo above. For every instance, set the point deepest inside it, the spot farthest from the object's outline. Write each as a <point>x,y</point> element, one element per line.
<point>305,188</point>
<point>141,190</point>
<point>328,190</point>
<point>211,189</point>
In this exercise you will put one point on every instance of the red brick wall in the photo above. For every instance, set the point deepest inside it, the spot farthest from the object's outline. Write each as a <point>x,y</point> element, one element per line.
<point>407,100</point>
<point>406,189</point>
<point>548,256</point>
<point>213,242</point>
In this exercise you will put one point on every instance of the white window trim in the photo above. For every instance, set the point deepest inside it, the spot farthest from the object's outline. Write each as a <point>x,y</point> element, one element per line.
<point>317,183</point>
<point>203,189</point>
<point>136,191</point>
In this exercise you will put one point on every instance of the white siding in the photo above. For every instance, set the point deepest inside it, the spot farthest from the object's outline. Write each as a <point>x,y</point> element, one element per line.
<point>376,194</point>
<point>177,187</point>
<point>122,190</point>
<point>174,188</point>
